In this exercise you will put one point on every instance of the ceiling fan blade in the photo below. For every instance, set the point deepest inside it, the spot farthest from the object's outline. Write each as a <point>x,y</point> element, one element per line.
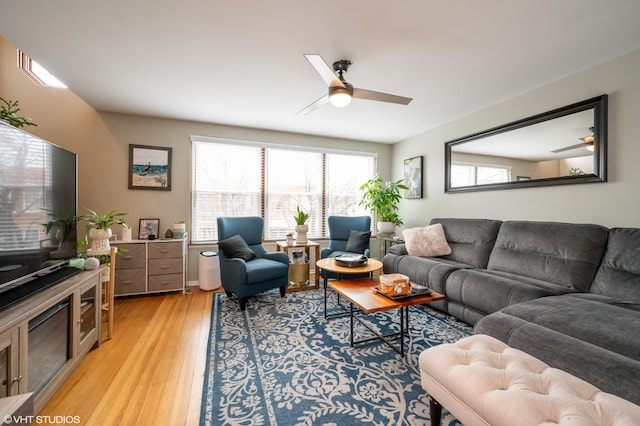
<point>324,70</point>
<point>568,148</point>
<point>315,105</point>
<point>379,96</point>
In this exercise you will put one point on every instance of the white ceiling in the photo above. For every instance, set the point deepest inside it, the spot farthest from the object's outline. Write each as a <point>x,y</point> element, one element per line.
<point>241,62</point>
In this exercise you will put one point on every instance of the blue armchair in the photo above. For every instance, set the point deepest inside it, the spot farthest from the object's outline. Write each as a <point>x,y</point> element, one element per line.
<point>247,269</point>
<point>340,228</point>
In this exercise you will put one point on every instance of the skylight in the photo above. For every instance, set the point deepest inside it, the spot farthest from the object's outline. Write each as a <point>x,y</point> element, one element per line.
<point>37,72</point>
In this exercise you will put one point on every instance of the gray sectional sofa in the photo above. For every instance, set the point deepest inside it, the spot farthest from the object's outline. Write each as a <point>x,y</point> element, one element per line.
<point>568,294</point>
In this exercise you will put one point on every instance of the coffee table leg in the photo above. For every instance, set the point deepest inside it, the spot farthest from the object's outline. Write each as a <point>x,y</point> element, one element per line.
<point>402,325</point>
<point>351,320</point>
<point>325,280</point>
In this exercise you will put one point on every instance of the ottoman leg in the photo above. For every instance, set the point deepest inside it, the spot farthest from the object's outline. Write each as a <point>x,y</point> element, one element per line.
<point>435,411</point>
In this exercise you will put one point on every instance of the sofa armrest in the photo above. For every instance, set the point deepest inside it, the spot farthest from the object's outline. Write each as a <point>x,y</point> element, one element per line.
<point>398,250</point>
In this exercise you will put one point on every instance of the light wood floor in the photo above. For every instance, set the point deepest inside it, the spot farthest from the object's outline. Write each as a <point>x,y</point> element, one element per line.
<point>150,372</point>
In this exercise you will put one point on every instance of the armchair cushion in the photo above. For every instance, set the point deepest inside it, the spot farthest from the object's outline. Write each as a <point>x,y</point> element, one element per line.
<point>236,246</point>
<point>261,269</point>
<point>358,241</point>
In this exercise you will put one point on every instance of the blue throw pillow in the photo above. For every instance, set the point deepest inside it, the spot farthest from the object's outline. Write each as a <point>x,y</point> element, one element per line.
<point>358,241</point>
<point>236,247</point>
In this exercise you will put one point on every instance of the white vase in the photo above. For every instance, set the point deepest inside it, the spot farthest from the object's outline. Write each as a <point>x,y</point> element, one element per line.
<point>386,228</point>
<point>301,233</point>
<point>126,234</point>
<point>100,239</point>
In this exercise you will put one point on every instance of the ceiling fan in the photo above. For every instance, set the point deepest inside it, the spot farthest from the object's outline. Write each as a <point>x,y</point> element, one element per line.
<point>340,92</point>
<point>587,142</point>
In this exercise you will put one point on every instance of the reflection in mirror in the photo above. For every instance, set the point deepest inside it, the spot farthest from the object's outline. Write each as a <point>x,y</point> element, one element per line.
<point>566,145</point>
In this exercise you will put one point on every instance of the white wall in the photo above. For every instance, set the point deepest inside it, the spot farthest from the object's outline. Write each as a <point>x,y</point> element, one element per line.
<point>614,203</point>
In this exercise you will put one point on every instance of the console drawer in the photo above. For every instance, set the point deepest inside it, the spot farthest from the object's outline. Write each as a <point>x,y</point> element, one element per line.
<point>165,250</point>
<point>165,266</point>
<point>133,257</point>
<point>130,281</point>
<point>165,282</point>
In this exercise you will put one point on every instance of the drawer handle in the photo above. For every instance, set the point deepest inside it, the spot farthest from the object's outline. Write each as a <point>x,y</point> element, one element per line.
<point>127,282</point>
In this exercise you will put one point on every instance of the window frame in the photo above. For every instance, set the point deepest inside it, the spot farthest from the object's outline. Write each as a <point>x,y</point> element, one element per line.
<point>25,63</point>
<point>264,146</point>
<point>476,166</point>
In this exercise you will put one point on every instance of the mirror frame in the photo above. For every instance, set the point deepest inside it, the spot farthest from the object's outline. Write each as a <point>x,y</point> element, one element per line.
<point>598,104</point>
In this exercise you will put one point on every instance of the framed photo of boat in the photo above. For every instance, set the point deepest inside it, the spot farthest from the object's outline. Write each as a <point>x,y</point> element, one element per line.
<point>149,167</point>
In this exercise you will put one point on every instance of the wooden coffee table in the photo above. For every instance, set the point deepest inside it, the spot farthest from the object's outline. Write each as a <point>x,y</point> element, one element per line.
<point>361,293</point>
<point>329,264</point>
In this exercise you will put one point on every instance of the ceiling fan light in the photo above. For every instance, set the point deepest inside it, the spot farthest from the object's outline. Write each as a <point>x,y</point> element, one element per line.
<point>588,139</point>
<point>340,100</point>
<point>590,147</point>
<point>339,97</point>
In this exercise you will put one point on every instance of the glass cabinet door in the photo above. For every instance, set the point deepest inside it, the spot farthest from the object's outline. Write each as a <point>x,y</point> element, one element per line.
<point>9,373</point>
<point>88,305</point>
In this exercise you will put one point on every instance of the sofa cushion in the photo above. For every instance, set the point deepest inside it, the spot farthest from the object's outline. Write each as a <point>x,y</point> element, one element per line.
<point>474,293</point>
<point>471,240</point>
<point>358,241</point>
<point>426,241</point>
<point>563,253</point>
<point>592,336</point>
<point>237,247</point>
<point>430,272</point>
<point>619,273</point>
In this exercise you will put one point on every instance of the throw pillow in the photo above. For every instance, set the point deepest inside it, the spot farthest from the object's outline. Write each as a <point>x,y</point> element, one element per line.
<point>237,247</point>
<point>358,241</point>
<point>427,241</point>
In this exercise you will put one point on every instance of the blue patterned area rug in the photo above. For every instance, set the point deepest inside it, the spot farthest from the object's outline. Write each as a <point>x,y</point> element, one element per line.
<point>281,363</point>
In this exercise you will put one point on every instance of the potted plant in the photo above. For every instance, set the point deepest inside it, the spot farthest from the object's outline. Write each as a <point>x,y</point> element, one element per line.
<point>301,225</point>
<point>98,228</point>
<point>66,227</point>
<point>8,112</point>
<point>382,199</point>
<point>179,229</point>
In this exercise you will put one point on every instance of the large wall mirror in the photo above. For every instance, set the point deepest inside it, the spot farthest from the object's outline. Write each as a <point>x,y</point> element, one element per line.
<point>567,145</point>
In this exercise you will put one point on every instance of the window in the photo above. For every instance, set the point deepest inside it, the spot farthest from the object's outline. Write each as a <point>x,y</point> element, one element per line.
<point>233,178</point>
<point>36,72</point>
<point>463,174</point>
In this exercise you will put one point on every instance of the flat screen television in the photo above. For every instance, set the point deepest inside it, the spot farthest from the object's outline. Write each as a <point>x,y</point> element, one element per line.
<point>38,185</point>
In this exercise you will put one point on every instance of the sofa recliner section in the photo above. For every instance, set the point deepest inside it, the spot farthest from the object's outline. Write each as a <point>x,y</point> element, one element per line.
<point>568,294</point>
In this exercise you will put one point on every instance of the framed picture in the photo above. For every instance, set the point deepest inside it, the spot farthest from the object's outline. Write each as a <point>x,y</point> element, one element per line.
<point>148,229</point>
<point>413,177</point>
<point>149,167</point>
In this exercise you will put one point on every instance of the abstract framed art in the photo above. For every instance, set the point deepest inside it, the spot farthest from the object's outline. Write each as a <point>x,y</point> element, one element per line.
<point>149,167</point>
<point>413,177</point>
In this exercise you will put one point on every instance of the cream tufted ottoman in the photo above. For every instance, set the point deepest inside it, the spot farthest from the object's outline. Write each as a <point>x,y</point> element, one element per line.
<point>482,381</point>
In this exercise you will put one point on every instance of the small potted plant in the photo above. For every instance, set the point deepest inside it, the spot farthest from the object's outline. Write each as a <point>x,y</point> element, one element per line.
<point>65,226</point>
<point>301,225</point>
<point>179,229</point>
<point>382,199</point>
<point>98,228</point>
<point>9,112</point>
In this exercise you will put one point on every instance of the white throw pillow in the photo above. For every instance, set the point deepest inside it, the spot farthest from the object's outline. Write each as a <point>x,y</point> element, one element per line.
<point>426,241</point>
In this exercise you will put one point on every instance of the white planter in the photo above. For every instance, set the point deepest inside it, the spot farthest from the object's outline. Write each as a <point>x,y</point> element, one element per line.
<point>301,233</point>
<point>386,228</point>
<point>100,239</point>
<point>178,230</point>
